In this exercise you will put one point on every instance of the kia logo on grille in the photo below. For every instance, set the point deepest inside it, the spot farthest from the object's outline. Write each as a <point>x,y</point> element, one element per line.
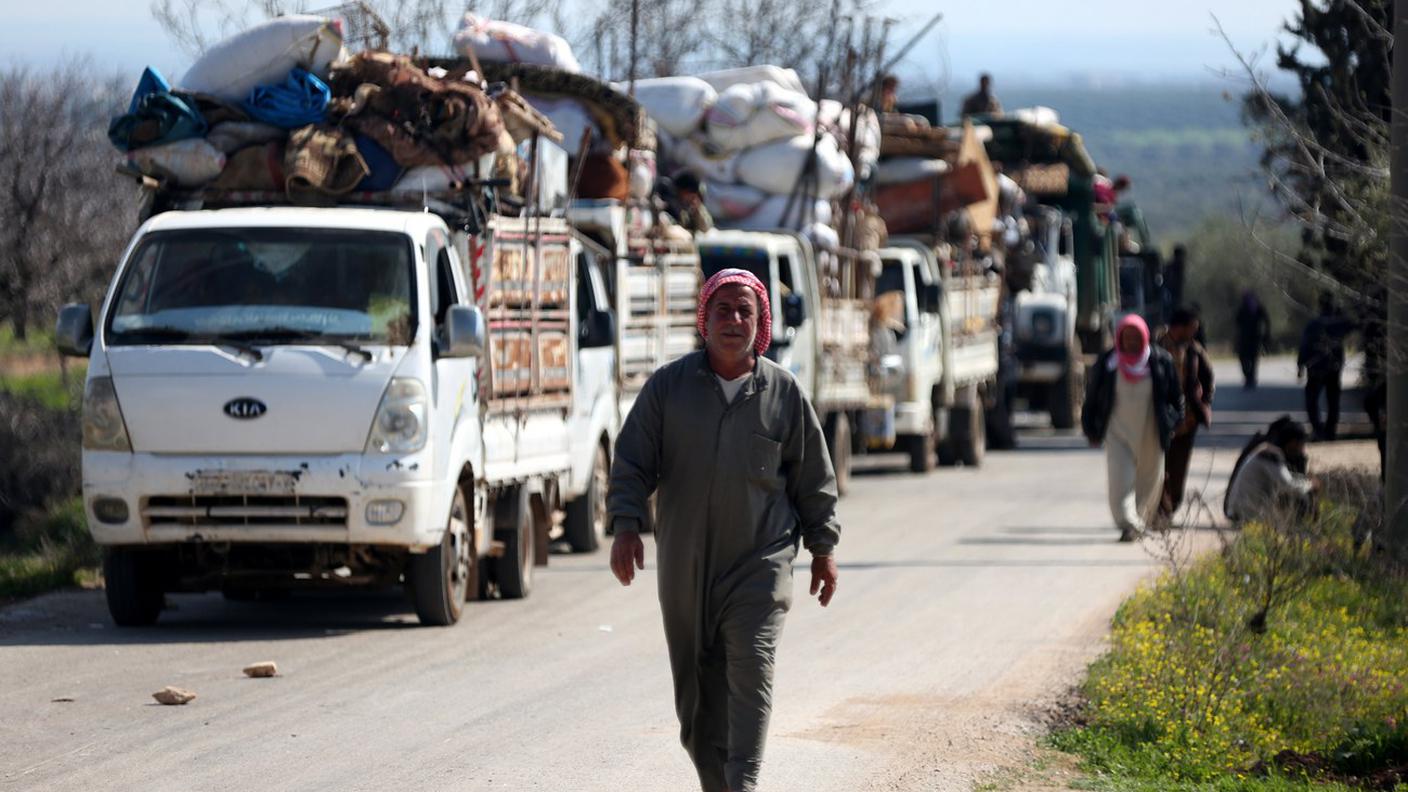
<point>245,408</point>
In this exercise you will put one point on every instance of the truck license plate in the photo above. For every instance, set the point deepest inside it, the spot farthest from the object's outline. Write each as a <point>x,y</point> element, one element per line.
<point>242,482</point>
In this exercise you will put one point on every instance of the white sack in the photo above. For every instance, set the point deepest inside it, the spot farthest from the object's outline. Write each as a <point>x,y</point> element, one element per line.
<point>190,162</point>
<point>784,78</point>
<point>1039,116</point>
<point>823,237</point>
<point>677,104</point>
<point>731,201</point>
<point>689,155</point>
<point>776,167</point>
<point>231,136</point>
<point>438,178</point>
<point>263,55</point>
<point>751,114</point>
<point>832,116</point>
<point>505,42</point>
<point>772,214</point>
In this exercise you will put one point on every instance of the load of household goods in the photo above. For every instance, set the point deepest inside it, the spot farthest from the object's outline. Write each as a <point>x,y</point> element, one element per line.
<point>283,107</point>
<point>929,172</point>
<point>768,155</point>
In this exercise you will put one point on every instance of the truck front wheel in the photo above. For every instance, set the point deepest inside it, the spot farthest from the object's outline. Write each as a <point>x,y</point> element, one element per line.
<point>968,431</point>
<point>922,455</point>
<point>1066,395</point>
<point>134,592</point>
<point>442,579</point>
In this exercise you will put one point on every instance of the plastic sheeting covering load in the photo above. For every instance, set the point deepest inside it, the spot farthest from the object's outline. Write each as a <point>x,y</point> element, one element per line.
<point>299,100</point>
<point>751,114</point>
<point>783,78</point>
<point>505,42</point>
<point>155,116</point>
<point>188,163</point>
<point>265,54</point>
<point>778,167</point>
<point>677,104</point>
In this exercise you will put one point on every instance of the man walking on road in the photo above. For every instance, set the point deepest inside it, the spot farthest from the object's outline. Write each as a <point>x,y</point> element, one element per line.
<point>734,451</point>
<point>1190,362</point>
<point>1253,334</point>
<point>1321,361</point>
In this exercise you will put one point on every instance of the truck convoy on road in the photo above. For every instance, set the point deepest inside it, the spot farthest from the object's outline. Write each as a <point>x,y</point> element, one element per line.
<point>306,380</point>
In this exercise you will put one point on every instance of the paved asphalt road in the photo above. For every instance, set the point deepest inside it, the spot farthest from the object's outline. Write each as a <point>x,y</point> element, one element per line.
<point>967,597</point>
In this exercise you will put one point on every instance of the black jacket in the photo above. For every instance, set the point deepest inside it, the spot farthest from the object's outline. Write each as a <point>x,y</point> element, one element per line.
<point>1100,396</point>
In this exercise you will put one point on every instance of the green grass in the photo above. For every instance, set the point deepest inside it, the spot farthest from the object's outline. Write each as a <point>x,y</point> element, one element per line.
<point>48,388</point>
<point>37,341</point>
<point>54,553</point>
<point>1192,695</point>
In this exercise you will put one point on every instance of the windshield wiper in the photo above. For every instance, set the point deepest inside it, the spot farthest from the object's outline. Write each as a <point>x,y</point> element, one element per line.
<point>288,334</point>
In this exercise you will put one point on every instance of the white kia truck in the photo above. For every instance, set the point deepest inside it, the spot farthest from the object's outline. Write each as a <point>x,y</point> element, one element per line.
<point>283,397</point>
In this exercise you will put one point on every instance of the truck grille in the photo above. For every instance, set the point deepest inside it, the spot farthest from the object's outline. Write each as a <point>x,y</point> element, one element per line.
<point>250,510</point>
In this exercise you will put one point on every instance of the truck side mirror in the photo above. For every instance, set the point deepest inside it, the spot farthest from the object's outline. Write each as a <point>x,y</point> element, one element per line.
<point>794,310</point>
<point>933,294</point>
<point>74,331</point>
<point>465,332</point>
<point>598,329</point>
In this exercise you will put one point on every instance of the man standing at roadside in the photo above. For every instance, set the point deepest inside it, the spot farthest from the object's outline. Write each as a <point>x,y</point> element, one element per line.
<point>1321,362</point>
<point>734,451</point>
<point>1195,378</point>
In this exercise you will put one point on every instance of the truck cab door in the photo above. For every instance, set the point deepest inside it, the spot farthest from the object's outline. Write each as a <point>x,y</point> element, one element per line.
<point>453,389</point>
<point>794,325</point>
<point>596,335</point>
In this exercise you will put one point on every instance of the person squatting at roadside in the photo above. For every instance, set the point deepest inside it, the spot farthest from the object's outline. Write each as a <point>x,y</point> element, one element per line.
<point>1190,362</point>
<point>1133,402</point>
<point>1271,475</point>
<point>734,451</point>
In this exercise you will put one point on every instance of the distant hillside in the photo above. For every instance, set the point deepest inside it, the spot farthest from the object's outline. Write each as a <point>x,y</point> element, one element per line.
<point>1184,146</point>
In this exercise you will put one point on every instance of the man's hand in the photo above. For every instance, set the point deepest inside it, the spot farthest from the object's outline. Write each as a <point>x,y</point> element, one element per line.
<point>627,555</point>
<point>1186,425</point>
<point>824,576</point>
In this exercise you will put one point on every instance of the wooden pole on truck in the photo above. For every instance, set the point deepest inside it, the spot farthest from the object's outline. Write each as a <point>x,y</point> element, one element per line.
<point>1396,355</point>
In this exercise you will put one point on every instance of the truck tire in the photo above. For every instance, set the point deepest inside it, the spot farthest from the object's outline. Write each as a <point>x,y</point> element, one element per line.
<point>585,524</point>
<point>1065,396</point>
<point>134,592</point>
<point>968,431</point>
<point>513,525</point>
<point>1000,433</point>
<point>838,439</point>
<point>922,455</point>
<point>444,578</point>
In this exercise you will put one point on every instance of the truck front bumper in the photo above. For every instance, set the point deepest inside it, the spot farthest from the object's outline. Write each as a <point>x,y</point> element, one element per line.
<point>134,499</point>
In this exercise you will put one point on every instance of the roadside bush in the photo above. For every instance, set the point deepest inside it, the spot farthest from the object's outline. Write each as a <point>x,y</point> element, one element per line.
<point>39,459</point>
<point>1285,654</point>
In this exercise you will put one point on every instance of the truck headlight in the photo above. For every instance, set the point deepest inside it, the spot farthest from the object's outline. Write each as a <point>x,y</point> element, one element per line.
<point>399,426</point>
<point>103,427</point>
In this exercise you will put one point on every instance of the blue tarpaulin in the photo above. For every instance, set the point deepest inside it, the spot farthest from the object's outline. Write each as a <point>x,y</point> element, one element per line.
<point>299,100</point>
<point>155,116</point>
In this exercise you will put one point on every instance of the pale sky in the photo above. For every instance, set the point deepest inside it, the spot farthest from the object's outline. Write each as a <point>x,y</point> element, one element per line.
<point>1018,41</point>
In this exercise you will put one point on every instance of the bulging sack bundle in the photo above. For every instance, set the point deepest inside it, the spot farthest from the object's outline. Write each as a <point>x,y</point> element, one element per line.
<point>689,155</point>
<point>732,201</point>
<point>782,211</point>
<point>751,114</point>
<point>189,163</point>
<point>505,42</point>
<point>264,55</point>
<point>677,104</point>
<point>776,167</point>
<point>783,78</point>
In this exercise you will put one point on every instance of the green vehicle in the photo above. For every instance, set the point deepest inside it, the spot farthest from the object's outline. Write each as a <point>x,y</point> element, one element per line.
<point>1074,272</point>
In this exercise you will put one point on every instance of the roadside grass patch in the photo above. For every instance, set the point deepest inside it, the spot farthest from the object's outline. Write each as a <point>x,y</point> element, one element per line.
<point>1280,663</point>
<point>47,552</point>
<point>50,389</point>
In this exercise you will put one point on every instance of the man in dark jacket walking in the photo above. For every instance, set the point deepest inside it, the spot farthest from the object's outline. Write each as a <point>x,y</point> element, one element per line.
<point>1321,362</point>
<point>1253,334</point>
<point>1195,378</point>
<point>734,451</point>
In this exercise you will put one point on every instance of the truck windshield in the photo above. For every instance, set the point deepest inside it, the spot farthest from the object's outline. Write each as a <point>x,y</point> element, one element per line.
<point>891,277</point>
<point>755,260</point>
<point>274,285</point>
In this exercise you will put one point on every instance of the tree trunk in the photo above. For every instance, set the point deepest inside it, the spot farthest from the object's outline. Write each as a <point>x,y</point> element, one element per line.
<point>1396,363</point>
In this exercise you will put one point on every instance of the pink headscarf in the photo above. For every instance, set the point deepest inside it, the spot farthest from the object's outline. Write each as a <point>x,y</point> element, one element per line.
<point>1134,367</point>
<point>726,276</point>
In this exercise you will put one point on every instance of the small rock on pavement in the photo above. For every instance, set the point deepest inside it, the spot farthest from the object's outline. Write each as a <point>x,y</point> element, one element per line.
<point>173,695</point>
<point>265,669</point>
